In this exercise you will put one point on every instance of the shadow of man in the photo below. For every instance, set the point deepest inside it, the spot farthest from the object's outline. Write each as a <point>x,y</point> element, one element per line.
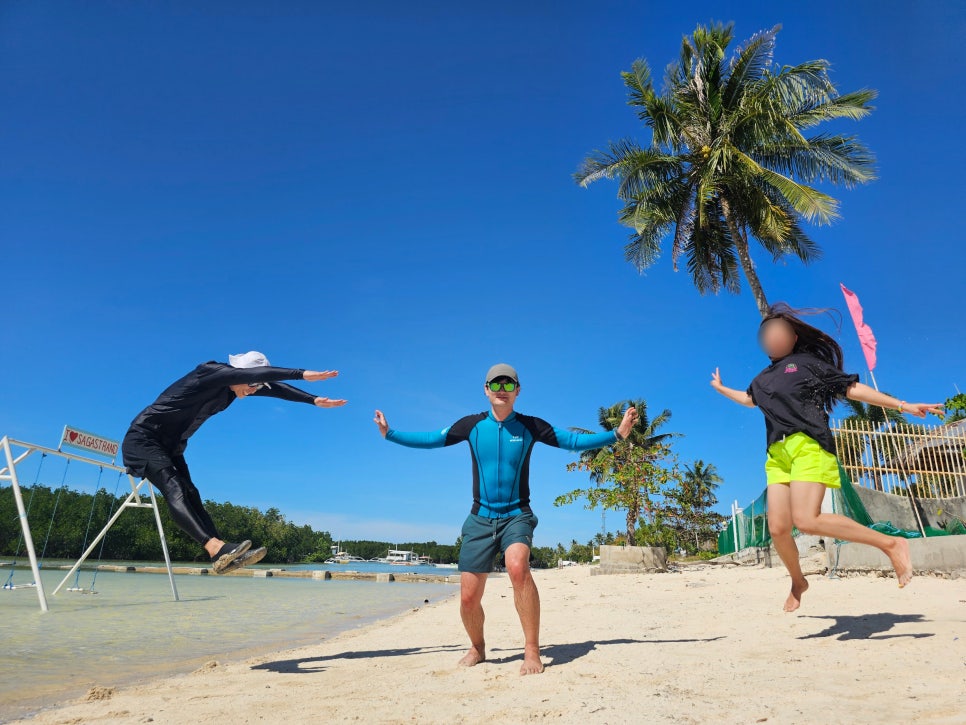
<point>867,626</point>
<point>310,665</point>
<point>563,653</point>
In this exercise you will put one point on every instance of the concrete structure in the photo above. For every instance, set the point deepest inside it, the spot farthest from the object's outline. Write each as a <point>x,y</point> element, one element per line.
<point>935,555</point>
<point>631,560</point>
<point>898,509</point>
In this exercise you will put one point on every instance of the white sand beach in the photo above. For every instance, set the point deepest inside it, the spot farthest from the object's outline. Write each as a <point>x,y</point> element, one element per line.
<point>708,644</point>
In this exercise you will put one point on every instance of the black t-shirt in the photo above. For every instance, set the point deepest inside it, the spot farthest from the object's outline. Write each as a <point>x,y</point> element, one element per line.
<point>795,394</point>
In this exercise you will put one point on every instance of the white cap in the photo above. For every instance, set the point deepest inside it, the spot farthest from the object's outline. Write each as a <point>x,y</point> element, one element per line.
<point>251,359</point>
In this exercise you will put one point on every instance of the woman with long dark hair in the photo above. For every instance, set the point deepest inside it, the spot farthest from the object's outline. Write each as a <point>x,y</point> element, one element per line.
<point>796,393</point>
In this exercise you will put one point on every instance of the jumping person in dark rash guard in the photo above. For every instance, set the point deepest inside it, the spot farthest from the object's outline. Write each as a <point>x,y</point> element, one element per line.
<point>796,393</point>
<point>154,445</point>
<point>501,441</point>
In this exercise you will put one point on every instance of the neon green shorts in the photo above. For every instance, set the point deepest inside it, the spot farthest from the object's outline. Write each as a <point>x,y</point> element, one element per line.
<point>799,457</point>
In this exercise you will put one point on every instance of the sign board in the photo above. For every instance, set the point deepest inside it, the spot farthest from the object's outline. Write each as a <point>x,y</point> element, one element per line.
<point>77,438</point>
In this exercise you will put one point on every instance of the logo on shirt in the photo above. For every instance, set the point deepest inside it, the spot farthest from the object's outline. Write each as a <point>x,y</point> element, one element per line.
<point>516,439</point>
<point>791,368</point>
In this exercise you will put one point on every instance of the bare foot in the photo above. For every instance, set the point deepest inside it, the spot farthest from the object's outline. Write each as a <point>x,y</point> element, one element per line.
<point>794,600</point>
<point>473,657</point>
<point>532,664</point>
<point>901,561</point>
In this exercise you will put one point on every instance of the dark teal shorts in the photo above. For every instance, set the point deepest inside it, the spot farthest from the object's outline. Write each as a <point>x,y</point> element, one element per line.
<point>484,538</point>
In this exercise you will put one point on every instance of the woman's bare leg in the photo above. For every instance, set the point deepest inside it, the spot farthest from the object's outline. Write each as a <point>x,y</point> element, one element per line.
<point>780,527</point>
<point>806,499</point>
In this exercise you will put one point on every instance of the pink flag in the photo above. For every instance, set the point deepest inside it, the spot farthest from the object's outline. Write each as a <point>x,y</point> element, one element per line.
<point>866,338</point>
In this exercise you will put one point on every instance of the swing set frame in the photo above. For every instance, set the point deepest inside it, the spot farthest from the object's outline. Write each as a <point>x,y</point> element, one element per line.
<point>141,496</point>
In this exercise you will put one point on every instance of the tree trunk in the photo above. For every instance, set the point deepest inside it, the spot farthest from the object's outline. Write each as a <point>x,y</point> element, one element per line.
<point>744,256</point>
<point>633,512</point>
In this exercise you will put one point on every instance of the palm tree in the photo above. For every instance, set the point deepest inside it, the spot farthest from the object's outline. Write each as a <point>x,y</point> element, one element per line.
<point>729,158</point>
<point>696,495</point>
<point>701,480</point>
<point>643,435</point>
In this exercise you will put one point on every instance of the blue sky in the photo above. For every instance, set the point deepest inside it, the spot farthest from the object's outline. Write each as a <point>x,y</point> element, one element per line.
<point>387,191</point>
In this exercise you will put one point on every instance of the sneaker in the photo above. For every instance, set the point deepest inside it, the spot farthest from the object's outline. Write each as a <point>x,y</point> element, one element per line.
<point>247,559</point>
<point>228,554</point>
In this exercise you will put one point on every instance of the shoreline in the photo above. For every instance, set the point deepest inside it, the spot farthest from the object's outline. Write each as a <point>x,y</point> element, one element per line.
<point>702,644</point>
<point>262,572</point>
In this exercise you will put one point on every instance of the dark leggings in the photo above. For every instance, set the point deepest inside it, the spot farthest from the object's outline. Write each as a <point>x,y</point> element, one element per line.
<point>172,478</point>
<point>147,457</point>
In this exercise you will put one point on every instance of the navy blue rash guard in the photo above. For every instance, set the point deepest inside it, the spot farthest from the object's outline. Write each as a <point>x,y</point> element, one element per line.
<point>501,455</point>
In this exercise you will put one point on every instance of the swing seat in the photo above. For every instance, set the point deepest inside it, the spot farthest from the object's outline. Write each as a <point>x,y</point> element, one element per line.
<point>81,590</point>
<point>11,587</point>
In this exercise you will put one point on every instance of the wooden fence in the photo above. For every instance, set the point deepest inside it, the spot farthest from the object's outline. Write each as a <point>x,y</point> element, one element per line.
<point>931,460</point>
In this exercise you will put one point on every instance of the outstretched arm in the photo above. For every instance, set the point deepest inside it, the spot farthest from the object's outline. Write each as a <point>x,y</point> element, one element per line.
<point>572,441</point>
<point>739,396</point>
<point>865,394</point>
<point>284,391</point>
<point>431,439</point>
<point>227,375</point>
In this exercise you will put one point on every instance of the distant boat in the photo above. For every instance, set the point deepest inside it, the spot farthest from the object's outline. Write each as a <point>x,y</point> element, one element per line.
<point>399,557</point>
<point>341,557</point>
<point>446,566</point>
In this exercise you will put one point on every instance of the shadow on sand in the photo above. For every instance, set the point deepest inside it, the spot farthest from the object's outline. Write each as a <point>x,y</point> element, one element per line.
<point>564,653</point>
<point>310,665</point>
<point>867,626</point>
<point>557,654</point>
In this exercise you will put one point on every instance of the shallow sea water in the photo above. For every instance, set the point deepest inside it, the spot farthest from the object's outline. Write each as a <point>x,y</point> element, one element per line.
<point>132,629</point>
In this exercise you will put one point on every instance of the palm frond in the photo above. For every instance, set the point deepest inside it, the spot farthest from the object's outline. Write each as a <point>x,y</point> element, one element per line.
<point>684,224</point>
<point>639,83</point>
<point>749,63</point>
<point>811,203</point>
<point>836,159</point>
<point>607,164</point>
<point>711,259</point>
<point>796,242</point>
<point>851,106</point>
<point>662,116</point>
<point>643,248</point>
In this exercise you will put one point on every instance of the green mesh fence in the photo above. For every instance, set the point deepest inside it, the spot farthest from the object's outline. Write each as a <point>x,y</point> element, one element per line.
<point>749,528</point>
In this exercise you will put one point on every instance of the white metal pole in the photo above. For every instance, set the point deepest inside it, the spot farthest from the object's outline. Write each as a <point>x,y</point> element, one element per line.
<point>734,523</point>
<point>93,545</point>
<point>912,496</point>
<point>25,525</point>
<point>164,542</point>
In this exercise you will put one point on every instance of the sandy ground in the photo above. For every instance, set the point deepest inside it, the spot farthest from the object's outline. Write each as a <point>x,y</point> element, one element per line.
<point>709,644</point>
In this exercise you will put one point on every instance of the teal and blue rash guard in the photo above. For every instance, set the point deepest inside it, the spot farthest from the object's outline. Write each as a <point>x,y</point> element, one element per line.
<point>501,455</point>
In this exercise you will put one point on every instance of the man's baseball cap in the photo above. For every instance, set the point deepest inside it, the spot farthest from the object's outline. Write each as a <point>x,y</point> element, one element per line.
<point>502,370</point>
<point>251,359</point>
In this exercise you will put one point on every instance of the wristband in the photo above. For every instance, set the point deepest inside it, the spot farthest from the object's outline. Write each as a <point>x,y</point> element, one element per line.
<point>617,434</point>
<point>901,404</point>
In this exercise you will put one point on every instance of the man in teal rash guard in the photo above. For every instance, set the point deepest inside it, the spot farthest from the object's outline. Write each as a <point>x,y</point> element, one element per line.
<point>501,441</point>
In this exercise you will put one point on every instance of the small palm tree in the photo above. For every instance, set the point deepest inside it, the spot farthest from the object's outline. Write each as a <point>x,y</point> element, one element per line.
<point>729,158</point>
<point>642,448</point>
<point>694,496</point>
<point>701,480</point>
<point>643,435</point>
